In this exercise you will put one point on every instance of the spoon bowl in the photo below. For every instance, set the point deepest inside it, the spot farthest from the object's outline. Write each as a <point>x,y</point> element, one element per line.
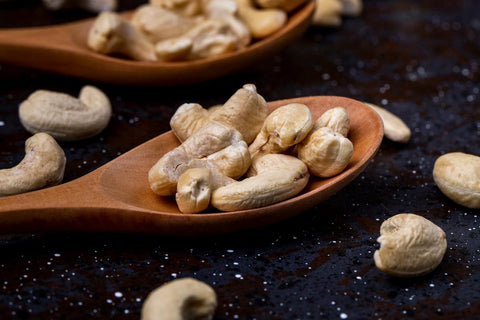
<point>62,49</point>
<point>117,197</point>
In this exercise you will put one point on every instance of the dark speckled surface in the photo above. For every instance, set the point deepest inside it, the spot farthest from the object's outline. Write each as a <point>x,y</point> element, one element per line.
<point>419,59</point>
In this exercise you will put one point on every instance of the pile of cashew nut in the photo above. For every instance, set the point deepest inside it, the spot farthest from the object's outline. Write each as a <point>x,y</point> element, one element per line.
<point>52,116</point>
<point>239,156</point>
<point>179,30</point>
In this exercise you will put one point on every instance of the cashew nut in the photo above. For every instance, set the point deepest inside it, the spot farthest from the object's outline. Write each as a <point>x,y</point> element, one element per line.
<point>213,146</point>
<point>208,38</point>
<point>351,7</point>
<point>325,152</point>
<point>410,246</point>
<point>245,111</point>
<point>42,166</point>
<point>90,5</point>
<point>394,128</point>
<point>287,5</point>
<point>65,117</point>
<point>336,119</point>
<point>226,10</point>
<point>112,34</point>
<point>180,299</point>
<point>194,190</point>
<point>271,178</point>
<point>188,8</point>
<point>327,13</point>
<point>457,176</point>
<point>261,22</point>
<point>158,24</point>
<point>283,128</point>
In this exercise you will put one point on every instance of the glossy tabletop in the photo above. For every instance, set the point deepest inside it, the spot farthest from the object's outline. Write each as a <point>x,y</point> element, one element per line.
<point>418,59</point>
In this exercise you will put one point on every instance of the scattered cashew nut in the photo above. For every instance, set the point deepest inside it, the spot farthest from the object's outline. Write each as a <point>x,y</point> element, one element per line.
<point>188,8</point>
<point>64,117</point>
<point>112,34</point>
<point>327,13</point>
<point>180,299</point>
<point>394,128</point>
<point>284,127</point>
<point>410,246</point>
<point>271,178</point>
<point>351,7</point>
<point>42,166</point>
<point>456,174</point>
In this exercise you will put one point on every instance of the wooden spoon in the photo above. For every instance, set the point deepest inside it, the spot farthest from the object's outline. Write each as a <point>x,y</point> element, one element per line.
<point>117,197</point>
<point>62,49</point>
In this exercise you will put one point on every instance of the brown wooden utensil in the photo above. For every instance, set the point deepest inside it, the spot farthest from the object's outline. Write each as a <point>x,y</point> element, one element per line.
<point>62,49</point>
<point>117,197</point>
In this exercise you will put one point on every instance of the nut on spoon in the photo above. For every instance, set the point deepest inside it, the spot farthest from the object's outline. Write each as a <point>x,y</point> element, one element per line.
<point>117,196</point>
<point>63,49</point>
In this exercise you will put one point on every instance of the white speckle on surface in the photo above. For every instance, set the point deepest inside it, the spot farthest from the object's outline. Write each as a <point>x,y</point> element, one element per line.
<point>343,316</point>
<point>2,123</point>
<point>118,294</point>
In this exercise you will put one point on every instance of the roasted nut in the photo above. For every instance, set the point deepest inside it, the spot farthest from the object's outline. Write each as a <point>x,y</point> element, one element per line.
<point>42,166</point>
<point>226,10</point>
<point>261,22</point>
<point>65,117</point>
<point>158,24</point>
<point>194,190</point>
<point>394,128</point>
<point>181,299</point>
<point>283,128</point>
<point>188,8</point>
<point>336,119</point>
<point>271,178</point>
<point>112,34</point>
<point>457,176</point>
<point>287,5</point>
<point>351,7</point>
<point>89,5</point>
<point>327,13</point>
<point>245,111</point>
<point>208,38</point>
<point>213,146</point>
<point>410,246</point>
<point>325,152</point>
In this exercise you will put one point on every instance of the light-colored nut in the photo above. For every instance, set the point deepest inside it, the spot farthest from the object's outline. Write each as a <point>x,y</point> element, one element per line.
<point>457,175</point>
<point>394,128</point>
<point>176,49</point>
<point>43,166</point>
<point>336,119</point>
<point>90,5</point>
<point>194,190</point>
<point>245,111</point>
<point>410,246</point>
<point>180,299</point>
<point>226,10</point>
<point>209,38</point>
<point>272,178</point>
<point>283,128</point>
<point>213,146</point>
<point>287,5</point>
<point>188,8</point>
<point>64,117</point>
<point>351,7</point>
<point>158,23</point>
<point>112,34</point>
<point>325,152</point>
<point>261,22</point>
<point>328,13</point>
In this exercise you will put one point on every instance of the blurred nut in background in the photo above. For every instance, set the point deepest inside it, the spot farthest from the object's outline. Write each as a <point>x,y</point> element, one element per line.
<point>457,175</point>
